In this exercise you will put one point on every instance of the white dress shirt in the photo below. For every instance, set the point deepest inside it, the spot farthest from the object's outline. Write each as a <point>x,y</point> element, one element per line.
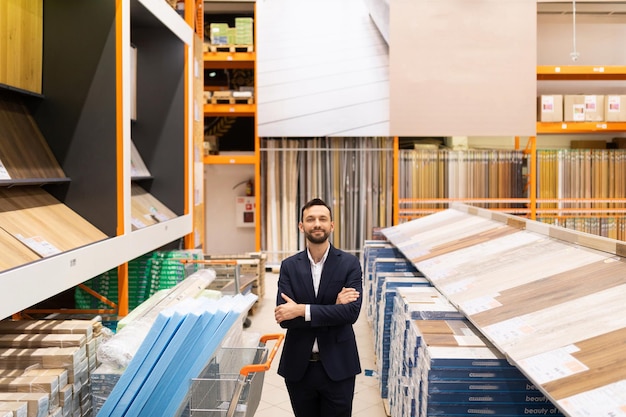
<point>316,272</point>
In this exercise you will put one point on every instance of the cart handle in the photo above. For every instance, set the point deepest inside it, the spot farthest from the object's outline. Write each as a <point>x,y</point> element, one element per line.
<point>209,262</point>
<point>264,366</point>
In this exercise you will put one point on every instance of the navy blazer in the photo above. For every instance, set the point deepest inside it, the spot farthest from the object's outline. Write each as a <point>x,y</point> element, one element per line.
<point>330,323</point>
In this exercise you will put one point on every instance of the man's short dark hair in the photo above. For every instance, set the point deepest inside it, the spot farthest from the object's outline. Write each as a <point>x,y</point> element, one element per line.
<point>315,202</point>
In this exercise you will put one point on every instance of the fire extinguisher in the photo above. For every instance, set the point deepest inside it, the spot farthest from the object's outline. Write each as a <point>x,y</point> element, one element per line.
<point>249,188</point>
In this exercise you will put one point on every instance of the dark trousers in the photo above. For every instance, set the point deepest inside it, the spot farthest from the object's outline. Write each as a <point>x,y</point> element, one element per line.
<point>316,395</point>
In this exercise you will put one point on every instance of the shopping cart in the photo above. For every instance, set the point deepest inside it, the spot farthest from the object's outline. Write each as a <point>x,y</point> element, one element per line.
<point>227,273</point>
<point>228,277</point>
<point>232,382</point>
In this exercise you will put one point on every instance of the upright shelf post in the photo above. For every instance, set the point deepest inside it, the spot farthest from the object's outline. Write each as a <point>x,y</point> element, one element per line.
<point>533,177</point>
<point>396,180</point>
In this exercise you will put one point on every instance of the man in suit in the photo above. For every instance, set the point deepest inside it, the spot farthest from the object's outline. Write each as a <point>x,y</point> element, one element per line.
<point>318,301</point>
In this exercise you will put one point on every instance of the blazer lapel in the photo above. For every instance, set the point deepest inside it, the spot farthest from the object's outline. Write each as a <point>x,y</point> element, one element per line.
<point>307,276</point>
<point>327,272</point>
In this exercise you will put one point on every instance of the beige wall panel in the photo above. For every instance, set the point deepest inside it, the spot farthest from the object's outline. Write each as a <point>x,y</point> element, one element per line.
<point>21,43</point>
<point>463,67</point>
<point>599,39</point>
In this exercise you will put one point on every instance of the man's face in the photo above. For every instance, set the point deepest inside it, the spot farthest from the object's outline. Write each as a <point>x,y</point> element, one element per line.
<point>316,224</point>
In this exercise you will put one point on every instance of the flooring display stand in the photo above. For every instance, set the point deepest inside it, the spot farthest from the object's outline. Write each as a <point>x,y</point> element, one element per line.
<point>550,299</point>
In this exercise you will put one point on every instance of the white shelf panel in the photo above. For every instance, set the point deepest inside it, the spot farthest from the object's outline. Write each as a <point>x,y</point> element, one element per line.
<point>170,18</point>
<point>37,281</point>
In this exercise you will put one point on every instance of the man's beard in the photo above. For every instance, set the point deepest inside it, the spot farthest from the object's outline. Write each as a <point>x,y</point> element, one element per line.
<point>317,239</point>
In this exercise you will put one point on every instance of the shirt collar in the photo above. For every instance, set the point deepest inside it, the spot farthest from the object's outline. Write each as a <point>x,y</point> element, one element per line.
<point>321,262</point>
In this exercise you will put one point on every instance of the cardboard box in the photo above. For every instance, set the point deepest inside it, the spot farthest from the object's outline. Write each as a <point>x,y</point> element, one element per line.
<point>244,31</point>
<point>14,408</point>
<point>218,33</point>
<point>615,108</point>
<point>38,403</point>
<point>620,143</point>
<point>550,108</point>
<point>583,108</point>
<point>588,144</point>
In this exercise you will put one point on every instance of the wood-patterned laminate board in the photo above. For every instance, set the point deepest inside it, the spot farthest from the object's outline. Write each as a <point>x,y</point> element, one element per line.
<point>14,252</point>
<point>467,241</point>
<point>512,269</point>
<point>146,209</point>
<point>23,149</point>
<point>44,223</point>
<point>21,41</point>
<point>560,325</point>
<point>492,254</point>
<point>554,289</point>
<point>587,365</point>
<point>449,233</point>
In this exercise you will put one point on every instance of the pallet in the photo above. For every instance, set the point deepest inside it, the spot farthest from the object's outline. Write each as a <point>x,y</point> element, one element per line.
<point>231,100</point>
<point>229,48</point>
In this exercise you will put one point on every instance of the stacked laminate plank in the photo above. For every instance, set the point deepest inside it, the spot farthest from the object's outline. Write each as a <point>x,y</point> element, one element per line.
<point>46,365</point>
<point>371,252</point>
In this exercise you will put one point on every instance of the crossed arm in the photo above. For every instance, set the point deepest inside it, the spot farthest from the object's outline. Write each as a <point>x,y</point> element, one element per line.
<point>290,309</point>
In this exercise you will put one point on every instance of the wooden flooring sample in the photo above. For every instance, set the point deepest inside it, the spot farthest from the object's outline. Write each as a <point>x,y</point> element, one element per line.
<point>147,210</point>
<point>14,252</point>
<point>23,150</point>
<point>42,222</point>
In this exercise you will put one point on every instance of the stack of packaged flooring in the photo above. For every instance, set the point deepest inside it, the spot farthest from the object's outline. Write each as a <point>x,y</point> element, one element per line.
<point>443,366</point>
<point>372,251</point>
<point>45,366</point>
<point>383,320</point>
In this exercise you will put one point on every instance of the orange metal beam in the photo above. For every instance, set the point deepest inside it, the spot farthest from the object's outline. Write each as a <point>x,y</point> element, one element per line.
<point>122,281</point>
<point>257,152</point>
<point>533,177</point>
<point>396,181</point>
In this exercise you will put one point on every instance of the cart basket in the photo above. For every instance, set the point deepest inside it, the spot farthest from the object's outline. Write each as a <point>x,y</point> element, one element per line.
<point>232,383</point>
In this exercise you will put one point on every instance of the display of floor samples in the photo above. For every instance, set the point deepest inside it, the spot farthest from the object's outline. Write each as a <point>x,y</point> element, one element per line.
<point>350,174</point>
<point>550,299</point>
<point>146,210</point>
<point>178,346</point>
<point>24,153</point>
<point>43,223</point>
<point>579,174</point>
<point>443,231</point>
<point>444,173</point>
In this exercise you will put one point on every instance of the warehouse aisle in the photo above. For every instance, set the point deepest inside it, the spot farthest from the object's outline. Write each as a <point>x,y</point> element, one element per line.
<point>275,400</point>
